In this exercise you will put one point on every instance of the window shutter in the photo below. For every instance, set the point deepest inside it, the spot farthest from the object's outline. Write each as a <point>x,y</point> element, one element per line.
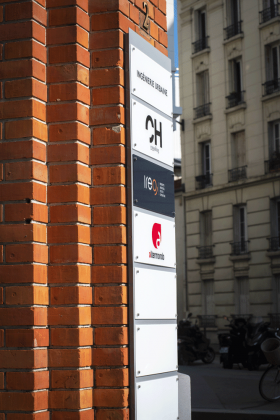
<point>240,148</point>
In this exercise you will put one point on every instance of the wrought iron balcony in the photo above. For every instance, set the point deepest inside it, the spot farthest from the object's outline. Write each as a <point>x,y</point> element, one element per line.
<point>202,110</point>
<point>237,173</point>
<point>235,98</point>
<point>203,181</point>
<point>271,86</point>
<point>269,13</point>
<point>200,44</point>
<point>273,164</point>
<point>205,252</point>
<point>233,30</point>
<point>274,243</point>
<point>239,248</point>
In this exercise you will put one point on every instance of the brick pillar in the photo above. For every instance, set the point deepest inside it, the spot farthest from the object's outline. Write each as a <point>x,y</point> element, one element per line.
<point>71,335</point>
<point>24,378</point>
<point>110,20</point>
<point>62,86</point>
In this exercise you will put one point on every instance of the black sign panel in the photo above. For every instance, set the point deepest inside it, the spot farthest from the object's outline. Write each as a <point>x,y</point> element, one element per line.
<point>153,187</point>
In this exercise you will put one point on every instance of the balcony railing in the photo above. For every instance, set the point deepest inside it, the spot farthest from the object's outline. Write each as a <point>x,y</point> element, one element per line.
<point>200,44</point>
<point>203,181</point>
<point>237,173</point>
<point>205,252</point>
<point>233,30</point>
<point>269,13</point>
<point>235,98</point>
<point>274,243</point>
<point>272,165</point>
<point>271,86</point>
<point>202,110</point>
<point>238,248</point>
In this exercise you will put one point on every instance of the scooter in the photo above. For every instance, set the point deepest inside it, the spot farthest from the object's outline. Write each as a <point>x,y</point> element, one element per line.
<point>192,344</point>
<point>260,331</point>
<point>232,345</point>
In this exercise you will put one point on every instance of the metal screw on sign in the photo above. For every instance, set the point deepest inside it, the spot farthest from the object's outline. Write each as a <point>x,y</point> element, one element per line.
<point>139,386</point>
<point>133,49</point>
<point>138,329</point>
<point>136,214</point>
<point>138,372</point>
<point>138,314</point>
<point>135,157</point>
<point>135,144</point>
<point>135,201</point>
<point>136,257</point>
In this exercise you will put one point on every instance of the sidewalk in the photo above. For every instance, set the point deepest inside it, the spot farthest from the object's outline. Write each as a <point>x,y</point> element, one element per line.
<point>227,394</point>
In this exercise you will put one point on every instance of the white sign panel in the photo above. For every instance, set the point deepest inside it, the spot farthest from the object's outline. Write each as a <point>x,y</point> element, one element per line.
<point>155,294</point>
<point>154,240</point>
<point>157,399</point>
<point>156,348</point>
<point>150,81</point>
<point>151,133</point>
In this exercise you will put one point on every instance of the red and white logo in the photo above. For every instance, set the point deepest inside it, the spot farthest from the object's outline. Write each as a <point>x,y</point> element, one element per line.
<point>156,235</point>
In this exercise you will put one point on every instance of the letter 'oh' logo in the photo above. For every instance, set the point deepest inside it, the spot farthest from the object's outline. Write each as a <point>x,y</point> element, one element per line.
<point>156,235</point>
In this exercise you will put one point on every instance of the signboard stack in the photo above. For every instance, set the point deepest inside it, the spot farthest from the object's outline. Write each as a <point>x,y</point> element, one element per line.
<point>151,245</point>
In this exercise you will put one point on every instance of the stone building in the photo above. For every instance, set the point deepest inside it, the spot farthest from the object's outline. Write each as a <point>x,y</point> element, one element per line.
<point>229,56</point>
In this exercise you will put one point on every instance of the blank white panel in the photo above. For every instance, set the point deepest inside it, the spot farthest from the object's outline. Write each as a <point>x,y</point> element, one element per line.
<point>157,399</point>
<point>156,348</point>
<point>155,294</point>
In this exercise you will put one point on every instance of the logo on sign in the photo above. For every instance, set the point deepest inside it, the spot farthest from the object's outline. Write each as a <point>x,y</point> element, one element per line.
<point>157,133</point>
<point>156,238</point>
<point>153,185</point>
<point>156,235</point>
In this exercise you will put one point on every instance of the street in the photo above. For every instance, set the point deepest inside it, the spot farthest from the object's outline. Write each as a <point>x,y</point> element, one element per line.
<point>218,393</point>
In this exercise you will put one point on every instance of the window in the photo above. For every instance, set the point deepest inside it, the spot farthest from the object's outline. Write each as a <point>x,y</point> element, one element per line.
<point>238,147</point>
<point>272,57</point>
<point>206,159</point>
<point>200,31</point>
<point>240,244</point>
<point>233,18</point>
<point>242,302</point>
<point>205,180</point>
<point>275,224</point>
<point>270,10</point>
<point>273,164</point>
<point>206,229</point>
<point>236,86</point>
<point>208,297</point>
<point>202,94</point>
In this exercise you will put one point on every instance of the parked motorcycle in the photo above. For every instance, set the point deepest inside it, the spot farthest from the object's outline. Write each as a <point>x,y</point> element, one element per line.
<point>258,332</point>
<point>233,347</point>
<point>192,344</point>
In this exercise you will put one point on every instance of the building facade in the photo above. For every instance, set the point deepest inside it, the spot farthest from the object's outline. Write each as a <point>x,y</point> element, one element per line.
<point>229,56</point>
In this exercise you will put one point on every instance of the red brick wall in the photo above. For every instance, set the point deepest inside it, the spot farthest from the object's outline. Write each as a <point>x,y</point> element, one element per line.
<point>63,294</point>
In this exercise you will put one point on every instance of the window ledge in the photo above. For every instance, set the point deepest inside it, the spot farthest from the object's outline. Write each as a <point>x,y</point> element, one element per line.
<point>235,108</point>
<point>241,257</point>
<point>202,261</point>
<point>269,22</point>
<point>206,50</point>
<point>271,96</point>
<point>233,38</point>
<point>201,119</point>
<point>273,254</point>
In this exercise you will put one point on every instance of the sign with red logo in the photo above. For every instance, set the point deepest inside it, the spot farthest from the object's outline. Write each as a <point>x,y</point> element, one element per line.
<point>154,240</point>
